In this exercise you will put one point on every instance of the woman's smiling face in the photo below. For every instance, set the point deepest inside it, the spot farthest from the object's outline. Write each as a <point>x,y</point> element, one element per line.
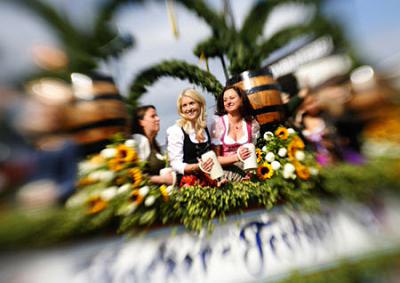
<point>190,108</point>
<point>232,101</point>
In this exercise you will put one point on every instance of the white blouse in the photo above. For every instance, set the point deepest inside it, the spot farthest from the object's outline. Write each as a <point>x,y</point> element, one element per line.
<point>142,146</point>
<point>218,129</point>
<point>175,138</point>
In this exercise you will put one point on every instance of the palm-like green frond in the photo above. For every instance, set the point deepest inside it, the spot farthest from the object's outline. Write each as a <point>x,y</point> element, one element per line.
<point>255,20</point>
<point>211,47</point>
<point>175,69</point>
<point>216,22</point>
<point>65,31</point>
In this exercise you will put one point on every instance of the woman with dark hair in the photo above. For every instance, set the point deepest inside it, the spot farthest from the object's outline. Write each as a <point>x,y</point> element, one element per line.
<point>145,127</point>
<point>233,126</point>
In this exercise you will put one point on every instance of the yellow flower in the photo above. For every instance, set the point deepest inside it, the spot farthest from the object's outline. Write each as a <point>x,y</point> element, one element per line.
<point>85,181</point>
<point>265,171</point>
<point>96,204</point>
<point>282,133</point>
<point>259,155</point>
<point>125,154</point>
<point>296,144</point>
<point>97,159</point>
<point>136,176</point>
<point>164,192</point>
<point>302,172</point>
<point>115,165</point>
<point>136,197</point>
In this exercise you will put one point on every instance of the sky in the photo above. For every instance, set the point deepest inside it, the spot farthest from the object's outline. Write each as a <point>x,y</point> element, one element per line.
<point>372,26</point>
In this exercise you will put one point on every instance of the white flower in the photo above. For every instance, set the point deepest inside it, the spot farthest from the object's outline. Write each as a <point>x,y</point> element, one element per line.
<point>291,131</point>
<point>264,148</point>
<point>299,155</point>
<point>160,156</point>
<point>108,193</point>
<point>101,175</point>
<point>275,165</point>
<point>270,157</point>
<point>282,152</point>
<point>288,167</point>
<point>106,176</point>
<point>268,135</point>
<point>124,188</point>
<point>144,190</point>
<point>288,175</point>
<point>131,143</point>
<point>127,209</point>
<point>149,200</point>
<point>108,153</point>
<point>313,171</point>
<point>170,188</point>
<point>76,200</point>
<point>85,167</point>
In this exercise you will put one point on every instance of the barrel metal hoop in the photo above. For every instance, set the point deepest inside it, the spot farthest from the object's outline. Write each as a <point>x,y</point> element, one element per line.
<point>268,109</point>
<point>99,124</point>
<point>260,88</point>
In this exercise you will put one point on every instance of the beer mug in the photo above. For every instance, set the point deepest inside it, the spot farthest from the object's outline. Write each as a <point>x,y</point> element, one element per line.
<point>216,170</point>
<point>249,163</point>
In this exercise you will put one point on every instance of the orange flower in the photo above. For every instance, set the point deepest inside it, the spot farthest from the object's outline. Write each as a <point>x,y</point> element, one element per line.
<point>265,171</point>
<point>136,176</point>
<point>259,155</point>
<point>282,133</point>
<point>125,154</point>
<point>96,205</point>
<point>302,172</point>
<point>295,144</point>
<point>291,151</point>
<point>298,142</point>
<point>136,197</point>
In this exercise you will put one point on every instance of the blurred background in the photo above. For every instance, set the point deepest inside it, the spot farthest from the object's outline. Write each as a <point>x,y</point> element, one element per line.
<point>72,72</point>
<point>67,67</point>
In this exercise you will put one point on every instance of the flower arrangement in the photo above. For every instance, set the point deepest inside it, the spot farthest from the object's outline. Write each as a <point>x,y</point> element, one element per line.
<point>282,155</point>
<point>113,180</point>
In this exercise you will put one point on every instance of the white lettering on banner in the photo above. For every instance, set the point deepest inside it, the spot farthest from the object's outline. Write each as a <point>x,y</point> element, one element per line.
<point>264,245</point>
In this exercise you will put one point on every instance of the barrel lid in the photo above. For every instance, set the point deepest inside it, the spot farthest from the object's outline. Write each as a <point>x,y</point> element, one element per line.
<point>249,74</point>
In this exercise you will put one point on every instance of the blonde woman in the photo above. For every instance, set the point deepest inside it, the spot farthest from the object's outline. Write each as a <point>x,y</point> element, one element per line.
<point>189,138</point>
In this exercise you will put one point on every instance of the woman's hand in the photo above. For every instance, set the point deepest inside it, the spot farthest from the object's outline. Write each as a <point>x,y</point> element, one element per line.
<point>207,165</point>
<point>244,152</point>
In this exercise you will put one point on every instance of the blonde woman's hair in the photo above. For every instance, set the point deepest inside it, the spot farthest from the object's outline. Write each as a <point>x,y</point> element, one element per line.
<point>200,123</point>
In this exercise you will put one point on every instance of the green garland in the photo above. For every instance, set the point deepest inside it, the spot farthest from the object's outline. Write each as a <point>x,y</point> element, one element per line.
<point>175,69</point>
<point>197,207</point>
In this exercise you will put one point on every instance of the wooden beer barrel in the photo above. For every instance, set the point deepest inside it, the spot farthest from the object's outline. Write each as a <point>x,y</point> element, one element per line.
<point>263,93</point>
<point>97,113</point>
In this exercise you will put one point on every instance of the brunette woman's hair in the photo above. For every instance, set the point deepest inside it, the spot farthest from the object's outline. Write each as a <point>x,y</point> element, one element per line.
<point>245,109</point>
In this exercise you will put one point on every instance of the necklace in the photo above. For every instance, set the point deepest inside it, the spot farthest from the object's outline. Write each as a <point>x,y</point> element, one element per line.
<point>237,126</point>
